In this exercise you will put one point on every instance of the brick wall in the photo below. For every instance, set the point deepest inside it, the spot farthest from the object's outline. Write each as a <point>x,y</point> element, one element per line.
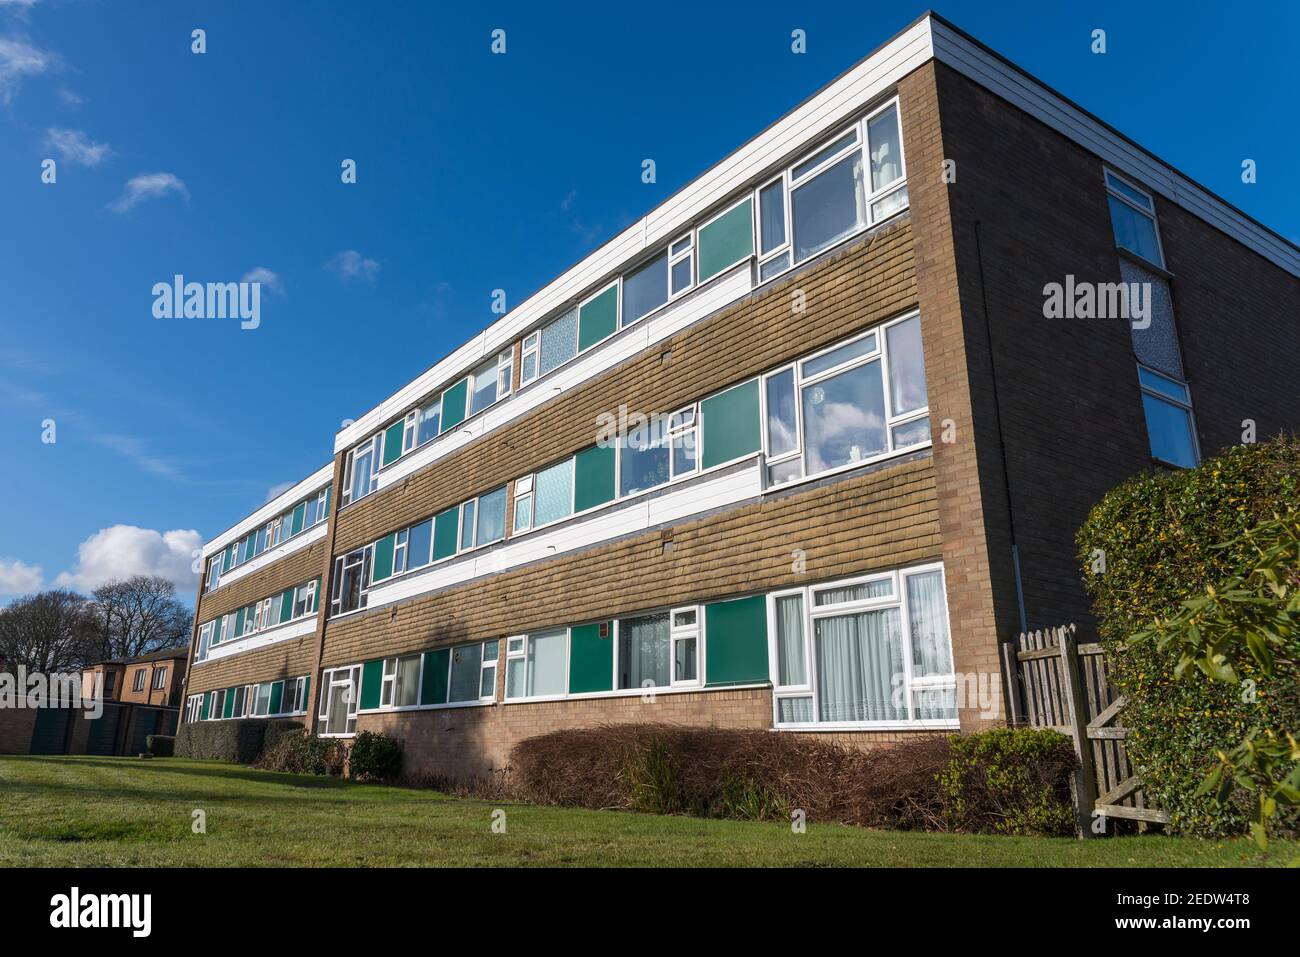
<point>16,726</point>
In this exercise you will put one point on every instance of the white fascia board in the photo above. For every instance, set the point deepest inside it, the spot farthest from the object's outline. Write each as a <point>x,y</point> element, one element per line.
<point>838,102</point>
<point>1028,94</point>
<point>311,483</point>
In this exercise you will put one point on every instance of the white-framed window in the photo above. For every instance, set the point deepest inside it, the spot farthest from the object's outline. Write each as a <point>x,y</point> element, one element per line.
<point>681,265</point>
<point>645,289</point>
<point>528,359</point>
<point>351,580</point>
<point>472,672</point>
<point>160,678</point>
<point>294,697</point>
<point>241,700</point>
<point>218,709</point>
<point>304,599</point>
<point>1133,218</point>
<point>400,687</point>
<point>855,179</point>
<point>361,471</point>
<point>339,693</point>
<point>553,345</point>
<point>262,700</point>
<point>138,681</point>
<point>683,434</point>
<point>490,382</point>
<point>214,572</point>
<point>206,634</point>
<point>1171,426</point>
<point>852,403</point>
<point>685,634</point>
<point>537,665</point>
<point>523,514</point>
<point>193,708</point>
<point>873,651</point>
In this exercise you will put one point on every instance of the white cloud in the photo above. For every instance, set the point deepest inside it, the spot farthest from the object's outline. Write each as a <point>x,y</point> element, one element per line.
<point>70,99</point>
<point>121,551</point>
<point>19,578</point>
<point>275,491</point>
<point>271,280</point>
<point>351,265</point>
<point>19,4</point>
<point>148,186</point>
<point>18,59</point>
<point>76,147</point>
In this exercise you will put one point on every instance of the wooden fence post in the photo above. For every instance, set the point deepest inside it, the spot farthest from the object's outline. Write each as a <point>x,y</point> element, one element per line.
<point>1011,675</point>
<point>1085,778</point>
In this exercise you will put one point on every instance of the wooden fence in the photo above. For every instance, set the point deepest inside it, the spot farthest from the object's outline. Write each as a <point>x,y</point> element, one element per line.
<point>1057,683</point>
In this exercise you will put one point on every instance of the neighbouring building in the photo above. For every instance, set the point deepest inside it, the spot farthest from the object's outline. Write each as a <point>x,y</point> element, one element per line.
<point>797,450</point>
<point>155,678</point>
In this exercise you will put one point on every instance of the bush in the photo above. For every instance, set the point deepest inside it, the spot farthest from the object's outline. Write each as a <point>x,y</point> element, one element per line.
<point>1010,781</point>
<point>238,740</point>
<point>760,775</point>
<point>374,756</point>
<point>297,752</point>
<point>1162,537</point>
<point>160,745</point>
<point>277,728</point>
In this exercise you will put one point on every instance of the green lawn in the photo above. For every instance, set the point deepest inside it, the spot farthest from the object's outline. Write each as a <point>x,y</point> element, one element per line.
<point>127,812</point>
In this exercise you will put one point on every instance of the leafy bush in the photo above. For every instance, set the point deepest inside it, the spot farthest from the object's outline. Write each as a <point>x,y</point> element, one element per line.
<point>238,740</point>
<point>297,752</point>
<point>374,756</point>
<point>1010,781</point>
<point>1150,544</point>
<point>759,775</point>
<point>277,728</point>
<point>160,745</point>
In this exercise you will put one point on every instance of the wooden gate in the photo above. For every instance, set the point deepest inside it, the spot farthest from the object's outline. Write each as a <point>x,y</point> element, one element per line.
<point>1057,683</point>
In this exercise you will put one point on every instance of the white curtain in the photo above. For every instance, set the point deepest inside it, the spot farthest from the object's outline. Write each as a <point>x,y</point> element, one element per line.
<point>791,667</point>
<point>466,668</point>
<point>931,648</point>
<point>547,661</point>
<point>643,651</point>
<point>858,657</point>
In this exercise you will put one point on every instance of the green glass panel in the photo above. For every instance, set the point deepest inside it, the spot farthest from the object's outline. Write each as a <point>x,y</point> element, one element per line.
<point>328,490</point>
<point>453,405</point>
<point>736,636</point>
<point>286,605</point>
<point>207,706</point>
<point>730,423</point>
<point>446,531</point>
<point>229,559</point>
<point>239,623</point>
<point>228,711</point>
<point>383,559</point>
<point>299,516</point>
<point>434,687</point>
<point>372,677</point>
<point>726,240</point>
<point>598,318</point>
<point>393,441</point>
<point>593,477</point>
<point>591,658</point>
<point>306,694</point>
<point>277,697</point>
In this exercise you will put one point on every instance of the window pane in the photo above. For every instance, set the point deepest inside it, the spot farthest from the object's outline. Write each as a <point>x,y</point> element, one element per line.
<point>784,472</point>
<point>1134,231</point>
<point>928,618</point>
<point>643,651</point>
<point>681,274</point>
<point>1174,390</point>
<point>554,493</point>
<point>888,205</point>
<point>492,517</point>
<point>906,366</point>
<point>886,149</point>
<point>523,512</point>
<point>488,682</point>
<point>771,216</point>
<point>912,433</point>
<point>644,458</point>
<point>1170,431</point>
<point>429,421</point>
<point>646,289</point>
<point>782,429</point>
<point>361,472</point>
<point>794,710</point>
<point>547,662</point>
<point>862,591</point>
<point>559,341</point>
<point>861,347</point>
<point>684,453</point>
<point>684,659</point>
<point>858,657</point>
<point>467,525</point>
<point>485,386</point>
<point>828,207</point>
<point>791,668</point>
<point>844,418</point>
<point>825,153</point>
<point>408,681</point>
<point>935,704</point>
<point>775,266</point>
<point>466,672</point>
<point>515,680</point>
<point>528,368</point>
<point>418,543</point>
<point>1119,186</point>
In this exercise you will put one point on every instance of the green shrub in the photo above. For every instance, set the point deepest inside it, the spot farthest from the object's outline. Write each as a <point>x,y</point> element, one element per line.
<point>1145,548</point>
<point>759,775</point>
<point>1010,781</point>
<point>374,756</point>
<point>277,728</point>
<point>238,740</point>
<point>160,745</point>
<point>297,752</point>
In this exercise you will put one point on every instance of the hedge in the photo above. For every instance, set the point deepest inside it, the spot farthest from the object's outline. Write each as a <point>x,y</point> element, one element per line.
<point>1151,543</point>
<point>238,740</point>
<point>160,745</point>
<point>1008,781</point>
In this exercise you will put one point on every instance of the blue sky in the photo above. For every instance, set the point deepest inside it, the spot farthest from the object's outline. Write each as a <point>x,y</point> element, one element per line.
<point>475,172</point>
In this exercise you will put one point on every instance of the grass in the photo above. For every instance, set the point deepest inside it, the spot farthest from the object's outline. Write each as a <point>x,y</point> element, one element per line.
<point>119,812</point>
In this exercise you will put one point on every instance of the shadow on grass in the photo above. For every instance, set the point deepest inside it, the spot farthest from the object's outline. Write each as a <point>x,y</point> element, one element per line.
<point>217,769</point>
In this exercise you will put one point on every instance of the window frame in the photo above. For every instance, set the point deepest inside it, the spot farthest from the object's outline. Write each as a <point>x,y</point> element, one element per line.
<point>812,612</point>
<point>1184,405</point>
<point>351,677</point>
<point>376,443</point>
<point>341,567</point>
<point>159,678</point>
<point>138,681</point>
<point>1107,174</point>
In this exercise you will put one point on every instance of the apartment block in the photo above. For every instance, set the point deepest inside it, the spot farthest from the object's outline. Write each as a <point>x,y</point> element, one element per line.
<point>797,450</point>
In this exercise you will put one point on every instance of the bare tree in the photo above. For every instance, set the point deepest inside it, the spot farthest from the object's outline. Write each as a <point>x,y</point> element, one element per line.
<point>138,615</point>
<point>48,632</point>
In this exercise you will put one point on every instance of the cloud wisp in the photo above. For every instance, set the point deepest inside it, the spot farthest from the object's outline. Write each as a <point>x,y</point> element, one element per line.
<point>19,59</point>
<point>76,148</point>
<point>149,186</point>
<point>351,266</point>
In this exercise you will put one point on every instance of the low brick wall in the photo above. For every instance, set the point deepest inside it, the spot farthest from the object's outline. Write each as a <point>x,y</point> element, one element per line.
<point>16,726</point>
